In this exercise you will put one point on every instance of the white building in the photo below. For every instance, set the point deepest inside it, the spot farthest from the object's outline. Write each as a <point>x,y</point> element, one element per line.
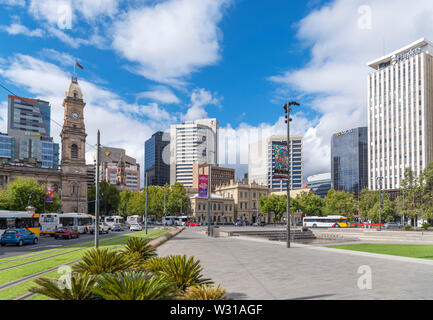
<point>400,114</point>
<point>261,162</point>
<point>191,142</point>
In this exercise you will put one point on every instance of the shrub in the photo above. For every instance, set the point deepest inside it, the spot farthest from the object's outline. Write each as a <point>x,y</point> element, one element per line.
<point>204,292</point>
<point>155,264</point>
<point>134,286</point>
<point>97,261</point>
<point>184,272</point>
<point>81,288</point>
<point>407,228</point>
<point>426,226</point>
<point>138,247</point>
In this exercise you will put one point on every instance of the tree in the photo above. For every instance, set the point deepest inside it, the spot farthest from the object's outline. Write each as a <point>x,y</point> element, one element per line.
<point>16,196</point>
<point>124,198</point>
<point>109,198</point>
<point>177,197</point>
<point>273,204</point>
<point>411,197</point>
<point>310,204</point>
<point>388,212</point>
<point>340,203</point>
<point>427,193</point>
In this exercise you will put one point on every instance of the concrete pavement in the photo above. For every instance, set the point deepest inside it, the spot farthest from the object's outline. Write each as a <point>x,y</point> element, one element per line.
<point>256,269</point>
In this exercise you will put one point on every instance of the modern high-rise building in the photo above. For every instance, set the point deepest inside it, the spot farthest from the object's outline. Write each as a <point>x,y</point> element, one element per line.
<point>261,162</point>
<point>349,160</point>
<point>320,184</point>
<point>400,114</point>
<point>29,127</point>
<point>157,159</point>
<point>192,142</point>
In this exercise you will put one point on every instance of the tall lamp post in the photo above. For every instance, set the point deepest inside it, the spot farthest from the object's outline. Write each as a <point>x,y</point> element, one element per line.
<point>287,109</point>
<point>145,212</point>
<point>379,180</point>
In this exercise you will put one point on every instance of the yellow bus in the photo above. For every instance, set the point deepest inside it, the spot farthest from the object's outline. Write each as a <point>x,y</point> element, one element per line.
<point>19,220</point>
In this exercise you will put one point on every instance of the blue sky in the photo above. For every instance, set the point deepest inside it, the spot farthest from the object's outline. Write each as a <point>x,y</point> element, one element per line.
<point>151,63</point>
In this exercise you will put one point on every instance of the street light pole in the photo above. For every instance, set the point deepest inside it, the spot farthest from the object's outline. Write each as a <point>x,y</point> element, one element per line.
<point>98,146</point>
<point>380,201</point>
<point>209,192</point>
<point>287,110</point>
<point>145,212</point>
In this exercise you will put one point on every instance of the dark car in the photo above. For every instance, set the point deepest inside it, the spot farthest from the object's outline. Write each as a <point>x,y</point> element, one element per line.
<point>18,237</point>
<point>392,225</point>
<point>66,233</point>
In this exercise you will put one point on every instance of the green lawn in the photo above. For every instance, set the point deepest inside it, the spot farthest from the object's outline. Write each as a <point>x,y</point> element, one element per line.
<point>22,271</point>
<point>403,250</point>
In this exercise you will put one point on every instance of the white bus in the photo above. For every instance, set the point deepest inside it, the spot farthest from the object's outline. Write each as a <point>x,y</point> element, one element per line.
<point>326,222</point>
<point>50,222</point>
<point>134,219</point>
<point>175,220</point>
<point>112,220</point>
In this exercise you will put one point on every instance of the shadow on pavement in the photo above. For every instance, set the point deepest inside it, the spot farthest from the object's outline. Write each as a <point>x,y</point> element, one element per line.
<point>314,297</point>
<point>236,295</point>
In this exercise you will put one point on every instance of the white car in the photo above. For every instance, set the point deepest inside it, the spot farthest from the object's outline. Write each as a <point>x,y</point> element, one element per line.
<point>135,227</point>
<point>103,228</point>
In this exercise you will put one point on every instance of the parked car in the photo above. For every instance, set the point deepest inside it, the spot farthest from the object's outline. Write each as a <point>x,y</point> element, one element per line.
<point>258,224</point>
<point>392,225</point>
<point>18,237</point>
<point>135,227</point>
<point>117,227</point>
<point>103,228</point>
<point>238,223</point>
<point>67,232</point>
<point>192,224</point>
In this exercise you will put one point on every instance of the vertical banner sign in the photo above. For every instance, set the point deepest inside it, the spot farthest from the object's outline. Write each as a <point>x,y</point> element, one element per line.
<point>49,194</point>
<point>281,161</point>
<point>203,185</point>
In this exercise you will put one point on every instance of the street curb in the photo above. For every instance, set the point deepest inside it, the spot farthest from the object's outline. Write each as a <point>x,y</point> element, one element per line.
<point>160,240</point>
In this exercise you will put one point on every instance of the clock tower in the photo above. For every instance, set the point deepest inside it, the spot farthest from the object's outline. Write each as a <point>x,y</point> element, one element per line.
<point>73,164</point>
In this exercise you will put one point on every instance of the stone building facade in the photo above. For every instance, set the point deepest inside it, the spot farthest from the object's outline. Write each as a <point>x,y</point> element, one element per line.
<point>222,209</point>
<point>219,175</point>
<point>246,199</point>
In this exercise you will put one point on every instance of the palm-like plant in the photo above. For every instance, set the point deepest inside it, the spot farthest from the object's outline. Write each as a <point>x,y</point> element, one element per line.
<point>141,247</point>
<point>155,264</point>
<point>184,272</point>
<point>98,261</point>
<point>135,286</point>
<point>80,288</point>
<point>204,292</point>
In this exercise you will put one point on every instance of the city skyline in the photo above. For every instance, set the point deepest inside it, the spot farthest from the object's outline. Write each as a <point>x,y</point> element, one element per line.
<point>301,58</point>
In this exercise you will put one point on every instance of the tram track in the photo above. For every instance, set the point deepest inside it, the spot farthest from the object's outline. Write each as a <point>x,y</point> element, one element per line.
<point>41,273</point>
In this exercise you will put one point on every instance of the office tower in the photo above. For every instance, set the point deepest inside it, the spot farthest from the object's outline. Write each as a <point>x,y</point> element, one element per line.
<point>320,184</point>
<point>192,142</point>
<point>400,114</point>
<point>29,125</point>
<point>119,169</point>
<point>261,162</point>
<point>157,159</point>
<point>349,160</point>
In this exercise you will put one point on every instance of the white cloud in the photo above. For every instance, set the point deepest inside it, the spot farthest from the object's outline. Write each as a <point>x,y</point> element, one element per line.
<point>199,99</point>
<point>122,124</point>
<point>161,94</point>
<point>334,80</point>
<point>16,28</point>
<point>170,39</point>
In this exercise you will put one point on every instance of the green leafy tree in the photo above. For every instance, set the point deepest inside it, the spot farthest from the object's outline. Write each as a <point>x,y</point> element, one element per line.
<point>109,198</point>
<point>311,204</point>
<point>18,192</point>
<point>273,204</point>
<point>124,198</point>
<point>340,203</point>
<point>427,192</point>
<point>177,197</point>
<point>388,212</point>
<point>411,195</point>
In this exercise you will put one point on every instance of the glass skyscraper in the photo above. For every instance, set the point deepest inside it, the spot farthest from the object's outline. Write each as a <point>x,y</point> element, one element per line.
<point>349,160</point>
<point>157,159</point>
<point>29,129</point>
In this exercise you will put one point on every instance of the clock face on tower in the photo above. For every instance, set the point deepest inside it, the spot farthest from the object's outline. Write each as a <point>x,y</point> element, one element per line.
<point>74,115</point>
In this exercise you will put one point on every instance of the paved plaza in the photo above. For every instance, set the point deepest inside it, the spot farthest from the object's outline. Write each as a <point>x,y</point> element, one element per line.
<point>256,269</point>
